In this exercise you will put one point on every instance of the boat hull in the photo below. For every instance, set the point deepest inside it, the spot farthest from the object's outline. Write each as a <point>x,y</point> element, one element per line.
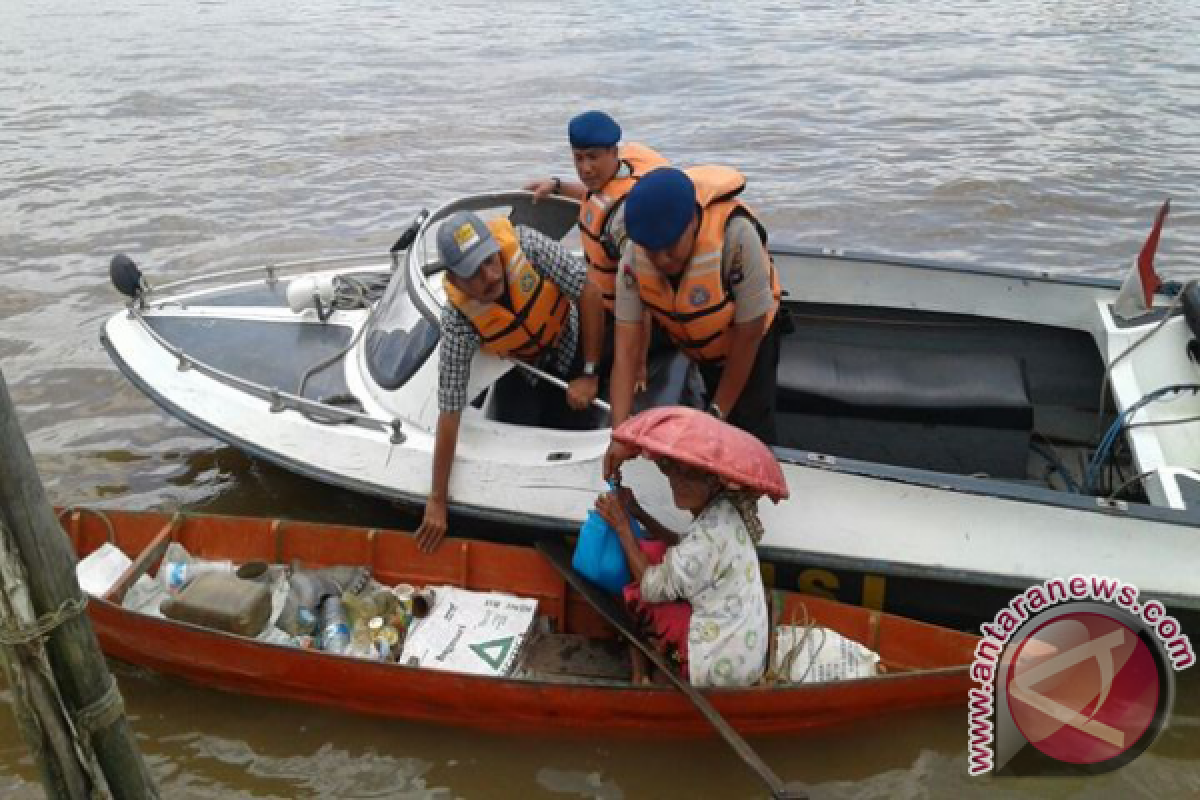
<point>876,521</point>
<point>891,538</point>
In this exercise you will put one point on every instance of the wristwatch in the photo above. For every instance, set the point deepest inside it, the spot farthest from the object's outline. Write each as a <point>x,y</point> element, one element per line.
<point>716,411</point>
<point>589,369</point>
<point>557,185</point>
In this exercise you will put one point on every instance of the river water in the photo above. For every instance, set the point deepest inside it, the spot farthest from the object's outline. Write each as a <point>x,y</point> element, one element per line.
<point>205,135</point>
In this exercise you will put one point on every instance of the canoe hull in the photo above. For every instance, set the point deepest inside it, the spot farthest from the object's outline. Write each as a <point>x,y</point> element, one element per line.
<point>245,666</point>
<point>932,662</point>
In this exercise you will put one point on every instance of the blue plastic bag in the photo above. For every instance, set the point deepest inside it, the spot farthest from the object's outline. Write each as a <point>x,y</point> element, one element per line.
<point>598,554</point>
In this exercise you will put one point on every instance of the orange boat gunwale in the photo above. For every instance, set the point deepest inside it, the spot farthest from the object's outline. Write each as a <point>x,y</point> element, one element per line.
<point>933,662</point>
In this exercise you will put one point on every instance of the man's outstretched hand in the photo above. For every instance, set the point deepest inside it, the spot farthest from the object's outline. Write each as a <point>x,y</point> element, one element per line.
<point>433,526</point>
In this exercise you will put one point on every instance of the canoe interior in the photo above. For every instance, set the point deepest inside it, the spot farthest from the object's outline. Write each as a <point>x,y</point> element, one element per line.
<point>906,647</point>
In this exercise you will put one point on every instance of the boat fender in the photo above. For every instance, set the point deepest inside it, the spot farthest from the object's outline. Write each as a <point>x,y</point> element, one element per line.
<point>1191,312</point>
<point>126,277</point>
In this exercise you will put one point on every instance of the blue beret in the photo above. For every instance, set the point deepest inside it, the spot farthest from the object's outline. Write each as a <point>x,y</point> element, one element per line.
<point>659,207</point>
<point>593,129</point>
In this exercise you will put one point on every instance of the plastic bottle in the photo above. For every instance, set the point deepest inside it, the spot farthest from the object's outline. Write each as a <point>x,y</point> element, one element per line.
<point>360,645</point>
<point>335,632</point>
<point>179,567</point>
<point>306,591</point>
<point>296,619</point>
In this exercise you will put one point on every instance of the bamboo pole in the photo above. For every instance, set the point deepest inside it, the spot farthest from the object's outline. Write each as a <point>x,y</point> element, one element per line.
<point>36,702</point>
<point>75,657</point>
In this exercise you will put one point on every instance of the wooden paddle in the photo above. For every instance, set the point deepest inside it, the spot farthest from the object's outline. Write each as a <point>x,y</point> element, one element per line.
<point>556,553</point>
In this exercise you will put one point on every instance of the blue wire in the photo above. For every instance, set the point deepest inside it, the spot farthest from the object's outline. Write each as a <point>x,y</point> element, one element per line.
<point>1093,468</point>
<point>1110,437</point>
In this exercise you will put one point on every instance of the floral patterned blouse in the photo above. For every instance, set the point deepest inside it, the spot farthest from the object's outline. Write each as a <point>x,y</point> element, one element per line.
<point>715,568</point>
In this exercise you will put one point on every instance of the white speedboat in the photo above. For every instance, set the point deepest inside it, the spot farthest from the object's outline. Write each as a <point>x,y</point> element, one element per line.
<point>986,428</point>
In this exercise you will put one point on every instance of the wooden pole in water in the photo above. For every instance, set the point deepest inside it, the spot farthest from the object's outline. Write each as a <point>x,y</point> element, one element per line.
<point>36,701</point>
<point>79,667</point>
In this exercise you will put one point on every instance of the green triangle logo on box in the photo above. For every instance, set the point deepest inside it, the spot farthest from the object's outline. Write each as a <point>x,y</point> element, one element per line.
<point>495,651</point>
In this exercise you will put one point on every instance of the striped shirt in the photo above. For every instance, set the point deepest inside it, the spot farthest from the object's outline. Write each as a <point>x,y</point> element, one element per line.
<point>460,340</point>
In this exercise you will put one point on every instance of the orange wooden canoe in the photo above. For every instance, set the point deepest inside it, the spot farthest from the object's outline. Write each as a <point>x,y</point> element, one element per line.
<point>927,665</point>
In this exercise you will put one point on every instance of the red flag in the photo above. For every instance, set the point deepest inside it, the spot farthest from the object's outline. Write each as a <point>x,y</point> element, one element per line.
<point>1137,292</point>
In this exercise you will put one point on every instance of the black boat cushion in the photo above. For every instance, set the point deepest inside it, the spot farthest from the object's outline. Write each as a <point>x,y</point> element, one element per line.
<point>983,389</point>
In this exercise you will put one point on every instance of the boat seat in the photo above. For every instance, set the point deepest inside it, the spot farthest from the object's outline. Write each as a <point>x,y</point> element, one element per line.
<point>985,389</point>
<point>964,413</point>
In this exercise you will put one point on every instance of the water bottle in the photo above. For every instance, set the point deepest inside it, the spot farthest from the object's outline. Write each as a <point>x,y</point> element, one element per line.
<point>179,567</point>
<point>306,590</point>
<point>360,645</point>
<point>335,631</point>
<point>296,619</point>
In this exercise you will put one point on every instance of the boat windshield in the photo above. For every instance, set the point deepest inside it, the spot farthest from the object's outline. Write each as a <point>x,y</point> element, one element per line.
<point>404,328</point>
<point>399,338</point>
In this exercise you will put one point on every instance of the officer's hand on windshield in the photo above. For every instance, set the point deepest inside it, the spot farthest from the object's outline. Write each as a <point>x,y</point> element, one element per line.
<point>433,526</point>
<point>542,189</point>
<point>617,455</point>
<point>582,391</point>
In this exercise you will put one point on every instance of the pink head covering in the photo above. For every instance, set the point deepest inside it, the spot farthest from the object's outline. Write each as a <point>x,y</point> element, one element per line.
<point>701,440</point>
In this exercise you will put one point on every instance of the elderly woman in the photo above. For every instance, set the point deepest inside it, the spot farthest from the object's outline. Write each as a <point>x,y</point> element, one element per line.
<point>718,633</point>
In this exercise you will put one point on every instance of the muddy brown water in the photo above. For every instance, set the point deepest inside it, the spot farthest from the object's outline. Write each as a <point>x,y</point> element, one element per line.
<point>210,135</point>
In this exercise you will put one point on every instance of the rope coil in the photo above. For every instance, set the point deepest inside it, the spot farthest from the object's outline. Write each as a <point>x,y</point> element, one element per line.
<point>103,712</point>
<point>13,635</point>
<point>108,525</point>
<point>800,619</point>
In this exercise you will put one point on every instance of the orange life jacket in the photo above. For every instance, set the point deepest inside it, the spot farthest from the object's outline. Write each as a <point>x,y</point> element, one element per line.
<point>595,212</point>
<point>698,313</point>
<point>536,310</point>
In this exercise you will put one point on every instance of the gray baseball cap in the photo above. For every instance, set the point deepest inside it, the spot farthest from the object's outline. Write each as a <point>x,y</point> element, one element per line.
<point>464,242</point>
